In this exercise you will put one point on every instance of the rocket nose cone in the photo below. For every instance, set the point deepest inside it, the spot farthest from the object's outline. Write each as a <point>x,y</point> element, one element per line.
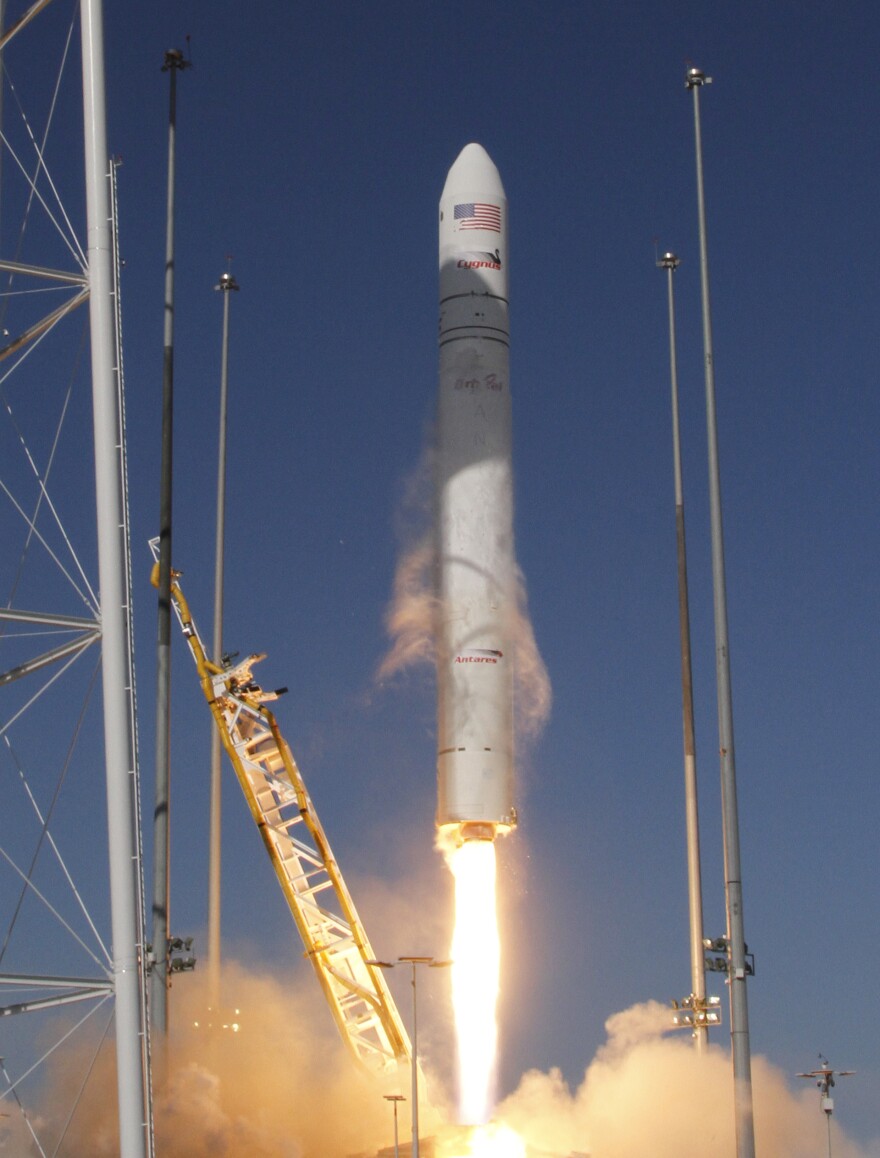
<point>473,172</point>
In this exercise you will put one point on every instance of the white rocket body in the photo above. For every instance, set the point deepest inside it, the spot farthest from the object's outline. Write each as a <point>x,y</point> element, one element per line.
<point>476,588</point>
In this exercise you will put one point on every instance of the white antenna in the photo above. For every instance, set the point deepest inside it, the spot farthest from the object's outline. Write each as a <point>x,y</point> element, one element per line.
<point>825,1076</point>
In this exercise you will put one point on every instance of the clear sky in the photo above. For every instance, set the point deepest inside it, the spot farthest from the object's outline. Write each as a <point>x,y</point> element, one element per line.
<point>313,143</point>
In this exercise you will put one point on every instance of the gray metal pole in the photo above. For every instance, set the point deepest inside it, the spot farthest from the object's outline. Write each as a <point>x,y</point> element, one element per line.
<point>736,946</point>
<point>132,1060</point>
<point>226,284</point>
<point>161,815</point>
<point>415,1069</point>
<point>394,1099</point>
<point>432,963</point>
<point>670,263</point>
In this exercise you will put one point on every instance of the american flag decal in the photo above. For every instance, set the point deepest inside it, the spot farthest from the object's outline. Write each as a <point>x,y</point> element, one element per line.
<point>474,215</point>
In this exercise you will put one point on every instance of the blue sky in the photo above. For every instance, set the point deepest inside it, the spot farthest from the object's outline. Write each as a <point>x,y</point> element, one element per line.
<point>313,142</point>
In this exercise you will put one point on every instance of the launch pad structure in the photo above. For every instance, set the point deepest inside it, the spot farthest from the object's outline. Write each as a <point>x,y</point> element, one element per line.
<point>335,940</point>
<point>55,569</point>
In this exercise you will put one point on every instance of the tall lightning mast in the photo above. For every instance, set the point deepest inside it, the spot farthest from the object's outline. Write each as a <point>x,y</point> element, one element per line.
<point>225,285</point>
<point>174,62</point>
<point>737,968</point>
<point>697,1000</point>
<point>132,1053</point>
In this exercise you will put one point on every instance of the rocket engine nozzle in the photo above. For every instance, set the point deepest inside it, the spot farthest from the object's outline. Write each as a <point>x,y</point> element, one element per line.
<point>473,831</point>
<point>476,830</point>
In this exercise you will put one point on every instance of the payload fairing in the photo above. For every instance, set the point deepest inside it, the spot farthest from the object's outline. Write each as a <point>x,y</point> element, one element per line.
<point>474,518</point>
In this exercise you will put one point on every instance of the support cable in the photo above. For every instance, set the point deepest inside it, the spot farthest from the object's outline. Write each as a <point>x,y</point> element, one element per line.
<point>46,835</point>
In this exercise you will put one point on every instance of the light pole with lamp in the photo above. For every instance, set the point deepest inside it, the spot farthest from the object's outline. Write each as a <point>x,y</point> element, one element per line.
<point>394,1099</point>
<point>432,964</point>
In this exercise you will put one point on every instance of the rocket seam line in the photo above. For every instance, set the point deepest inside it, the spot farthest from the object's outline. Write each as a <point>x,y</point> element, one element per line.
<point>456,332</point>
<point>446,751</point>
<point>475,325</point>
<point>479,337</point>
<point>491,297</point>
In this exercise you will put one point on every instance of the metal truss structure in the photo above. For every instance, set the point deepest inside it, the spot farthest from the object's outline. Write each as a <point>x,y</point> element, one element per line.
<point>64,571</point>
<point>334,938</point>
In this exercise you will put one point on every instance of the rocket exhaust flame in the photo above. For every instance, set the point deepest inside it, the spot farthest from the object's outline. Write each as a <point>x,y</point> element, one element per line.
<point>497,1140</point>
<point>476,956</point>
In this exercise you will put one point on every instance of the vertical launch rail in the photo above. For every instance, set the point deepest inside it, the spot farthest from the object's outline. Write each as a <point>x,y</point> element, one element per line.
<point>334,939</point>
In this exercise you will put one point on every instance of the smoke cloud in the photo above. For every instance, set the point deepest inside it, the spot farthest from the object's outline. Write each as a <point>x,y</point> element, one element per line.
<point>409,619</point>
<point>646,1094</point>
<point>283,1086</point>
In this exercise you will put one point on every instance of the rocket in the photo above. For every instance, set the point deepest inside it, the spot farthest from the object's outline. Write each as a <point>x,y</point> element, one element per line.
<point>476,590</point>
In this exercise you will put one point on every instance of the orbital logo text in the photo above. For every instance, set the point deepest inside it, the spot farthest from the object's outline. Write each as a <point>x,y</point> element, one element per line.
<point>479,260</point>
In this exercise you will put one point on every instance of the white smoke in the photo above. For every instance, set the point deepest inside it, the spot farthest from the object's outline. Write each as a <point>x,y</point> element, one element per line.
<point>409,619</point>
<point>284,1087</point>
<point>648,1094</point>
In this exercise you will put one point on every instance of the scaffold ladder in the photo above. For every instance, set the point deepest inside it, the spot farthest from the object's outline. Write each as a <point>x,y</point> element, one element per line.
<point>334,938</point>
